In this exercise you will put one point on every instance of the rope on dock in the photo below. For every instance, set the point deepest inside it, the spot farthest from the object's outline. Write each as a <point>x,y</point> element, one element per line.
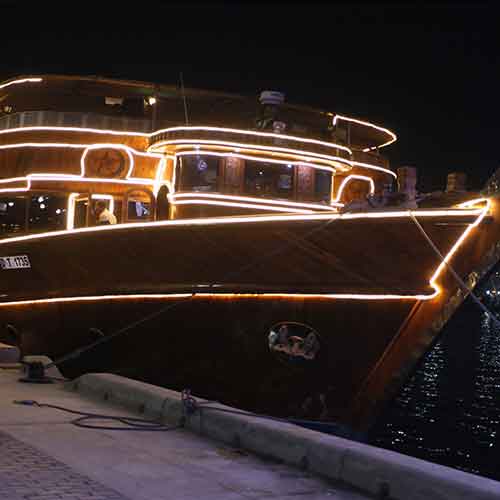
<point>128,423</point>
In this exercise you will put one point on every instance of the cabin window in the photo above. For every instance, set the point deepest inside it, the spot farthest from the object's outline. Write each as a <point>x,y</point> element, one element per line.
<point>139,206</point>
<point>12,215</point>
<point>198,172</point>
<point>47,212</point>
<point>80,211</point>
<point>322,185</point>
<point>113,101</point>
<point>85,212</point>
<point>269,179</point>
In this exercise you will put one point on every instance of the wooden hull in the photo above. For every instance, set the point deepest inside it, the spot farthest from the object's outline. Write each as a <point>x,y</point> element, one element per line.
<point>361,283</point>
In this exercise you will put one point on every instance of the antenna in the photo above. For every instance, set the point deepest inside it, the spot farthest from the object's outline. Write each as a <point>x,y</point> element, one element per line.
<point>184,99</point>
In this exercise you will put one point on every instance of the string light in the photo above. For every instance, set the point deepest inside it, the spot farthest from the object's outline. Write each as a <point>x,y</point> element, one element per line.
<point>466,233</point>
<point>393,136</point>
<point>480,212</point>
<point>70,217</point>
<point>209,221</point>
<point>43,128</point>
<point>254,133</point>
<point>348,179</point>
<point>373,167</point>
<point>306,155</point>
<point>22,80</point>
<point>253,158</point>
<point>248,199</point>
<point>149,154</point>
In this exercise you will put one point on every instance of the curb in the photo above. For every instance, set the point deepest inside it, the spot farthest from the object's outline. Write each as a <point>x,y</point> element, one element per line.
<point>9,353</point>
<point>374,470</point>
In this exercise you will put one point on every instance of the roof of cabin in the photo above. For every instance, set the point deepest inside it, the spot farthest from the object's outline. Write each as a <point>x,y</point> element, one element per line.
<point>84,93</point>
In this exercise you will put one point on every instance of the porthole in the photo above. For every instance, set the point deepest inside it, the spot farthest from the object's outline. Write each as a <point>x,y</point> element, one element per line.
<point>294,341</point>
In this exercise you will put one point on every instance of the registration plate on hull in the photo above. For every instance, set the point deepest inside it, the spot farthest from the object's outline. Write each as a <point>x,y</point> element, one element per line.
<point>15,262</point>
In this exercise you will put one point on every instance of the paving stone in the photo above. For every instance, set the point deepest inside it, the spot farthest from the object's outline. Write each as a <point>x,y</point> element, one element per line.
<point>28,474</point>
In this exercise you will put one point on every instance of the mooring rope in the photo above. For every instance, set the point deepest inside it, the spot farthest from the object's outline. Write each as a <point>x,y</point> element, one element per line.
<point>453,272</point>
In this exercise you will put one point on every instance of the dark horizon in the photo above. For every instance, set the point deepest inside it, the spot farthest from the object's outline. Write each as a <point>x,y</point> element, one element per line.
<point>429,74</point>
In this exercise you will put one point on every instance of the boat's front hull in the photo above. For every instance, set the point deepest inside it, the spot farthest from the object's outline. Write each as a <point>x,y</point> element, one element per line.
<point>203,306</point>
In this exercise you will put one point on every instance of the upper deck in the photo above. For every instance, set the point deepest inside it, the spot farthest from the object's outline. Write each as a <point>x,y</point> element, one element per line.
<point>127,106</point>
<point>181,152</point>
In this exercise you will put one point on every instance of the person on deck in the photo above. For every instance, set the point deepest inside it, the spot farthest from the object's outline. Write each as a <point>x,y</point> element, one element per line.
<point>103,215</point>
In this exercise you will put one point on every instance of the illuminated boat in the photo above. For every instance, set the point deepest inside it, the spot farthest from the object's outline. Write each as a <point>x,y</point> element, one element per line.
<point>261,255</point>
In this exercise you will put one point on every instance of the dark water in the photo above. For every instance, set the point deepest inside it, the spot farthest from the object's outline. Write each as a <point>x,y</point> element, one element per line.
<point>449,410</point>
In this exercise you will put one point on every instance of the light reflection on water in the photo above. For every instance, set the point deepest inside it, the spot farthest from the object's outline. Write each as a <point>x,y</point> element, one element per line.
<point>449,410</point>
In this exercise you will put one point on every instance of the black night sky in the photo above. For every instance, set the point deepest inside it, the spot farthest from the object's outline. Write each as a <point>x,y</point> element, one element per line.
<point>429,73</point>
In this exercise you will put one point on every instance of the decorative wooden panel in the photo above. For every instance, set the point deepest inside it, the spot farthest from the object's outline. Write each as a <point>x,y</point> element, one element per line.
<point>233,174</point>
<point>305,182</point>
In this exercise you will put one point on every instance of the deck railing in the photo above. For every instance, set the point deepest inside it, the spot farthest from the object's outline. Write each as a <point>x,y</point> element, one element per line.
<point>240,137</point>
<point>73,119</point>
<point>125,124</point>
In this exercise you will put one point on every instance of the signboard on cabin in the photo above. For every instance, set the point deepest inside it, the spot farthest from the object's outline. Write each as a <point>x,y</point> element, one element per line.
<point>106,163</point>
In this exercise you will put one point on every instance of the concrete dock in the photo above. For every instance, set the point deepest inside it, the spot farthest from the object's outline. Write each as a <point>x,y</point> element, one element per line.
<point>45,457</point>
<point>218,453</point>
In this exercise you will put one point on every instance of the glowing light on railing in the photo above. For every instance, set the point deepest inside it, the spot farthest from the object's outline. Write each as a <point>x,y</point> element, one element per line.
<point>15,189</point>
<point>160,170</point>
<point>68,177</point>
<point>70,212</point>
<point>97,145</point>
<point>255,206</point>
<point>21,80</point>
<point>174,173</point>
<point>462,238</point>
<point>291,204</point>
<point>73,129</point>
<point>348,179</point>
<point>307,156</point>
<point>42,145</point>
<point>254,219</point>
<point>471,203</point>
<point>367,124</point>
<point>248,132</point>
<point>373,167</point>
<point>148,135</point>
<point>94,298</point>
<point>304,161</point>
<point>253,158</point>
<point>301,154</point>
<point>258,134</point>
